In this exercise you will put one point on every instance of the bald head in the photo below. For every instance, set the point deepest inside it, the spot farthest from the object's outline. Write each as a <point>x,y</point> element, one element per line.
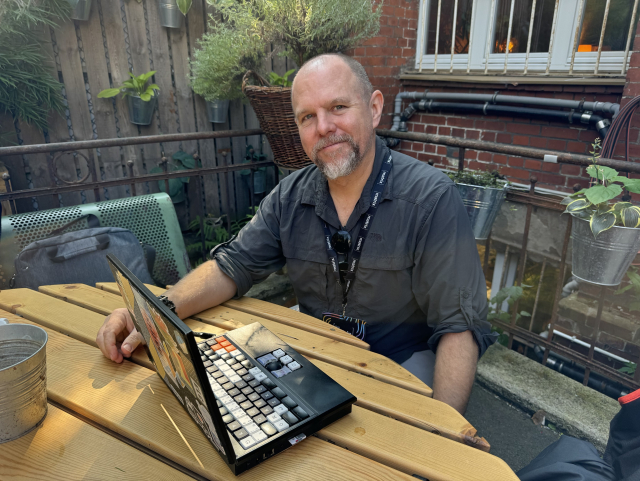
<point>322,61</point>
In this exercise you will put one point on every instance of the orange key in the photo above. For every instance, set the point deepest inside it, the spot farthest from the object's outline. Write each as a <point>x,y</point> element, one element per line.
<point>220,339</point>
<point>215,347</point>
<point>230,348</point>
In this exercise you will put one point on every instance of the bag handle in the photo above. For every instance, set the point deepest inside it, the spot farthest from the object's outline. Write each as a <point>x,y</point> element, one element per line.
<point>92,221</point>
<point>69,250</point>
<point>250,73</point>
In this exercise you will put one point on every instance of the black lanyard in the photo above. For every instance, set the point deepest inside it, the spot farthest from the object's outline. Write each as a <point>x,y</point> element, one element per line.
<point>365,224</point>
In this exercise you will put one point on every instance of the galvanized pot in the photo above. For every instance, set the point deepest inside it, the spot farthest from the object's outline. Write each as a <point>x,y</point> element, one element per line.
<point>81,10</point>
<point>170,14</point>
<point>483,205</point>
<point>217,111</point>
<point>141,112</point>
<point>603,260</point>
<point>23,386</point>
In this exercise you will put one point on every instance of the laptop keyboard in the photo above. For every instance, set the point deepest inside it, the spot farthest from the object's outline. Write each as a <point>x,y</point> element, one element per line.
<point>253,407</point>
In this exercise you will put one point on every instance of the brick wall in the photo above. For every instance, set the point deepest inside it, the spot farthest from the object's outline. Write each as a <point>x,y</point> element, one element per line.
<point>394,48</point>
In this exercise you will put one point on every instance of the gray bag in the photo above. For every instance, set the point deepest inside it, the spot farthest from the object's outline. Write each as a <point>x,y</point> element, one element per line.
<point>79,257</point>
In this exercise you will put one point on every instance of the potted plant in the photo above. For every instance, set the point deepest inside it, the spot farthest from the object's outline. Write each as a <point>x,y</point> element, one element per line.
<point>81,9</point>
<point>297,29</point>
<point>482,194</point>
<point>141,98</point>
<point>172,12</point>
<point>605,234</point>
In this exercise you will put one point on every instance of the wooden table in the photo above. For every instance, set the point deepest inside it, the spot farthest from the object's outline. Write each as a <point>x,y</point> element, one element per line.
<point>119,421</point>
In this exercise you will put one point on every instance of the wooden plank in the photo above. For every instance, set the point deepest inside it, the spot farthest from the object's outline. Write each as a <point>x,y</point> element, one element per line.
<point>125,397</point>
<point>293,318</point>
<point>392,401</point>
<point>238,149</point>
<point>64,448</point>
<point>317,347</point>
<point>10,316</point>
<point>69,56</point>
<point>110,160</point>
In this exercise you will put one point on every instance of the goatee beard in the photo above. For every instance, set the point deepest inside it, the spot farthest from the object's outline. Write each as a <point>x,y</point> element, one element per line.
<point>338,167</point>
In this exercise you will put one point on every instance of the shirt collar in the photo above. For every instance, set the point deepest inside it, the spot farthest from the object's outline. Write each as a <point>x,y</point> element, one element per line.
<point>321,199</point>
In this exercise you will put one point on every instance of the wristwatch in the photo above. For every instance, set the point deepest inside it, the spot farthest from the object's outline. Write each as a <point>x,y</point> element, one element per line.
<point>169,303</point>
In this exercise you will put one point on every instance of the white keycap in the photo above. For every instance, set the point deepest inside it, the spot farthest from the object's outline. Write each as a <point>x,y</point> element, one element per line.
<point>238,413</point>
<point>259,436</point>
<point>279,353</point>
<point>252,428</point>
<point>226,399</point>
<point>293,365</point>
<point>220,352</point>
<point>260,376</point>
<point>280,409</point>
<point>235,353</point>
<point>215,386</point>
<point>232,406</point>
<point>235,378</point>
<point>255,370</point>
<point>245,420</point>
<point>281,425</point>
<point>247,442</point>
<point>225,367</point>
<point>273,417</point>
<point>219,362</point>
<point>286,359</point>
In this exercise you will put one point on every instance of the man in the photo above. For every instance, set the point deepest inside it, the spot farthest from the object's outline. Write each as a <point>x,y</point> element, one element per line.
<point>418,285</point>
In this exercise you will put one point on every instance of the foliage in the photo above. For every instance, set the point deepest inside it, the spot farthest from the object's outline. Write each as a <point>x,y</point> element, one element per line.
<point>277,80</point>
<point>298,29</point>
<point>179,161</point>
<point>511,295</point>
<point>28,90</point>
<point>629,368</point>
<point>184,6</point>
<point>634,284</point>
<point>479,178</point>
<point>593,204</point>
<point>136,86</point>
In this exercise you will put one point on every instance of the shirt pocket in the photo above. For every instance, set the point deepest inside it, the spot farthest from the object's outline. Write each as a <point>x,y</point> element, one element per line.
<point>309,280</point>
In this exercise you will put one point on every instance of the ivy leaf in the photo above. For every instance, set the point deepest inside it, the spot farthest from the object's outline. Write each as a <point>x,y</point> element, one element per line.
<point>184,6</point>
<point>600,193</point>
<point>602,173</point>
<point>630,216</point>
<point>577,205</point>
<point>602,222</point>
<point>108,93</point>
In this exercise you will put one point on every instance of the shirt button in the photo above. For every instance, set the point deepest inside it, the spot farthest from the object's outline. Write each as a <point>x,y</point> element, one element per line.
<point>465,295</point>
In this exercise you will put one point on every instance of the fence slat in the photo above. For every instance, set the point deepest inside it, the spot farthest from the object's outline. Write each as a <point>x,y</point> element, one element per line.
<point>238,147</point>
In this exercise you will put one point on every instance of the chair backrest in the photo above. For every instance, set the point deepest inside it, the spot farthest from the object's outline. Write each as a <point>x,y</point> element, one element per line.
<point>152,218</point>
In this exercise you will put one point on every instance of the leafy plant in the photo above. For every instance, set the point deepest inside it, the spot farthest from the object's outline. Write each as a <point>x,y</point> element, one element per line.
<point>479,178</point>
<point>629,368</point>
<point>135,86</point>
<point>184,6</point>
<point>634,283</point>
<point>179,161</point>
<point>28,90</point>
<point>511,295</point>
<point>275,79</point>
<point>593,204</point>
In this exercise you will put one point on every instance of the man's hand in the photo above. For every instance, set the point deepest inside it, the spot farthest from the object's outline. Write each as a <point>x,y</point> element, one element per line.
<point>456,361</point>
<point>118,338</point>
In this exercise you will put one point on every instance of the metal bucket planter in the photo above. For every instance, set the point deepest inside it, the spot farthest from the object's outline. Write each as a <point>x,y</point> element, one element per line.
<point>483,205</point>
<point>217,111</point>
<point>23,387</point>
<point>81,10</point>
<point>141,112</point>
<point>170,14</point>
<point>603,260</point>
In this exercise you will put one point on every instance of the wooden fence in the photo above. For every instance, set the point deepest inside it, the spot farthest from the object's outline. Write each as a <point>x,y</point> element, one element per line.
<point>87,57</point>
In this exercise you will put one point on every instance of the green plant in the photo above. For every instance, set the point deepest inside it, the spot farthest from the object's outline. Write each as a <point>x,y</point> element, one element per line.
<point>28,90</point>
<point>298,29</point>
<point>634,283</point>
<point>629,368</point>
<point>275,79</point>
<point>593,204</point>
<point>136,86</point>
<point>179,161</point>
<point>479,178</point>
<point>184,6</point>
<point>511,295</point>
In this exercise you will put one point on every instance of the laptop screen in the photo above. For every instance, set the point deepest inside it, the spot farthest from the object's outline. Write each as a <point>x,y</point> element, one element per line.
<point>168,343</point>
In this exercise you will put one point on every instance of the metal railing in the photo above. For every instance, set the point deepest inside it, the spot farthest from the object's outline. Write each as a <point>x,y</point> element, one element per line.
<point>490,38</point>
<point>530,199</point>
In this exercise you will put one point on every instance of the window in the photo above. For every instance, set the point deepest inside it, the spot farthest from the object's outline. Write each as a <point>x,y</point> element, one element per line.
<point>531,37</point>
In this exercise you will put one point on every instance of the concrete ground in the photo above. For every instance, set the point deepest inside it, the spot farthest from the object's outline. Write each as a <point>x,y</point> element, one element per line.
<point>512,434</point>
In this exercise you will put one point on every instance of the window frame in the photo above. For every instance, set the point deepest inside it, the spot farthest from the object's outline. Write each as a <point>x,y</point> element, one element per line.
<point>611,62</point>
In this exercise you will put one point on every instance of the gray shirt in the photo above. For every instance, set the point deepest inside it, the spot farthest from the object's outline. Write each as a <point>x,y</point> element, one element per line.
<point>419,275</point>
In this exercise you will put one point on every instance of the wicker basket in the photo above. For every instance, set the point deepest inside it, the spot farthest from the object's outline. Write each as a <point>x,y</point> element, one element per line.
<point>273,108</point>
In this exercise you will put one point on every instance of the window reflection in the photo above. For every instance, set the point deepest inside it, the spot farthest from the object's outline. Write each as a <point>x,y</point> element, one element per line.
<point>517,43</point>
<point>616,31</point>
<point>463,26</point>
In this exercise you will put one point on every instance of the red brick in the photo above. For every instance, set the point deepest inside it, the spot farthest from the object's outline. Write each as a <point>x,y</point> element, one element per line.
<point>549,167</point>
<point>520,140</point>
<point>516,162</point>
<point>434,119</point>
<point>457,133</point>
<point>560,133</point>
<point>472,134</point>
<point>568,169</point>
<point>484,156</point>
<point>531,164</point>
<point>459,122</point>
<point>577,147</point>
<point>554,144</point>
<point>503,138</point>
<point>515,173</point>
<point>442,130</point>
<point>499,159</point>
<point>538,142</point>
<point>488,136</point>
<point>528,129</point>
<point>490,125</point>
<point>552,179</point>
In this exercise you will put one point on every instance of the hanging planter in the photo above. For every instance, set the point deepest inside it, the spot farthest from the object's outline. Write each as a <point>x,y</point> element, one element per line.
<point>141,98</point>
<point>482,195</point>
<point>217,111</point>
<point>141,111</point>
<point>81,9</point>
<point>170,14</point>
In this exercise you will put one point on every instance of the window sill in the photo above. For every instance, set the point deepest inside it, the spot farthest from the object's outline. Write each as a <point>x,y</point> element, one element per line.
<point>513,80</point>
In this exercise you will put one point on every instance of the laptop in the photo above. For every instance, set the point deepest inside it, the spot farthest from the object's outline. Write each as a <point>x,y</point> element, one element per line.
<point>251,394</point>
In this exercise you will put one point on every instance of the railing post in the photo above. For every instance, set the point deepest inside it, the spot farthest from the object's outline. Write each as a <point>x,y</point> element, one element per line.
<point>165,167</point>
<point>594,337</point>
<point>461,153</point>
<point>7,185</point>
<point>131,174</point>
